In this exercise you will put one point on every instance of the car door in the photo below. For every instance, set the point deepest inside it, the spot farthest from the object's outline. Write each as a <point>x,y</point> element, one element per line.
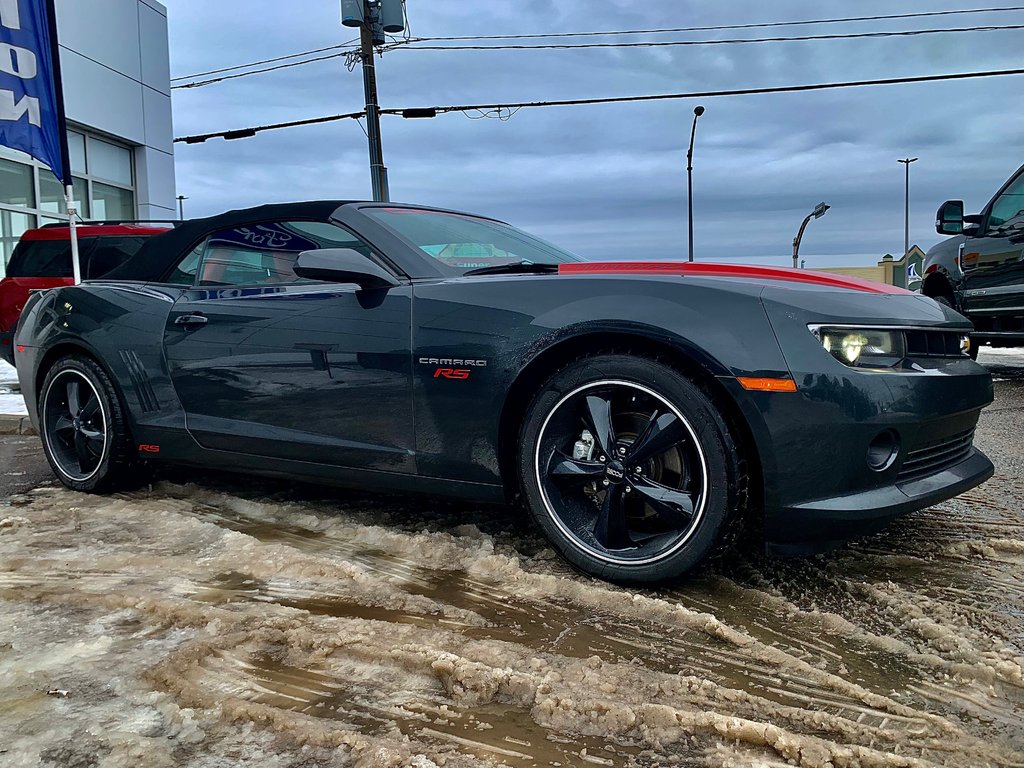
<point>993,262</point>
<point>266,363</point>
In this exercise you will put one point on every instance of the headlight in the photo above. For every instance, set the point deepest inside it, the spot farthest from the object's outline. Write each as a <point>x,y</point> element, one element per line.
<point>863,348</point>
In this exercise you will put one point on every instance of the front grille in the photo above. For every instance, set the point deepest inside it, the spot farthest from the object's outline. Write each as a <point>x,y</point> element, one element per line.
<point>936,456</point>
<point>921,343</point>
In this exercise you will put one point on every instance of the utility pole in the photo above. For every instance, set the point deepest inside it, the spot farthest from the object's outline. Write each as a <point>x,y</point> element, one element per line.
<point>697,112</point>
<point>906,205</point>
<point>374,18</point>
<point>181,207</point>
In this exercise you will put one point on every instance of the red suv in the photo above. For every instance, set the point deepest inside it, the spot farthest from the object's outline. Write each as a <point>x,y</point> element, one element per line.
<point>42,259</point>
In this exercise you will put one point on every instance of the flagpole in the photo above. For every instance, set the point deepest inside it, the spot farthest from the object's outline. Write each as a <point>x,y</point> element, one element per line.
<point>69,190</point>
<point>76,264</point>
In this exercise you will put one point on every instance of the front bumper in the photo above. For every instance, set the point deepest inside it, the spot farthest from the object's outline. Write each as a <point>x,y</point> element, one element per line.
<point>818,526</point>
<point>819,488</point>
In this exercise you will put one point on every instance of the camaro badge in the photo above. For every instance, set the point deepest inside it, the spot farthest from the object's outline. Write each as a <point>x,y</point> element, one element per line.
<point>453,367</point>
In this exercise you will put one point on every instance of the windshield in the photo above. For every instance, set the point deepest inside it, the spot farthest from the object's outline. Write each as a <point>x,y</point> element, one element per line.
<point>459,243</point>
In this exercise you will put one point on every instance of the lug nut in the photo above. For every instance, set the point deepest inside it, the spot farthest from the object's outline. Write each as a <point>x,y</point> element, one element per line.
<point>628,489</point>
<point>604,482</point>
<point>603,459</point>
<point>639,470</point>
<point>622,451</point>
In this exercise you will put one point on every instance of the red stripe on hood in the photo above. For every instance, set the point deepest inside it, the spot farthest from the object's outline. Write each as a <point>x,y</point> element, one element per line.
<point>700,269</point>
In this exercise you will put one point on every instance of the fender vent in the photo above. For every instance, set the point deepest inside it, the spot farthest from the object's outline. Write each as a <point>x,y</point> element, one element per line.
<point>140,381</point>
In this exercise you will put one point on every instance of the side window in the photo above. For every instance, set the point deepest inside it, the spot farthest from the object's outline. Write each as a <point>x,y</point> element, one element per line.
<point>185,272</point>
<point>260,254</point>
<point>110,252</point>
<point>1008,205</point>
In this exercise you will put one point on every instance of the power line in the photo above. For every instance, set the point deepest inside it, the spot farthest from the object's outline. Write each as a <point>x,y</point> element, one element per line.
<point>211,81</point>
<point>264,61</point>
<point>245,133</point>
<point>721,27</point>
<point>761,25</point>
<point>413,46</point>
<point>710,94</point>
<point>485,108</point>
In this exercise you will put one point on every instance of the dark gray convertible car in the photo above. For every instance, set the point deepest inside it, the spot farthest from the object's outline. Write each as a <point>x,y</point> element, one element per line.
<point>639,410</point>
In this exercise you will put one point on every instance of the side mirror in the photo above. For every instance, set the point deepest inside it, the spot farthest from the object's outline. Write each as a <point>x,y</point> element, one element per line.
<point>950,218</point>
<point>342,265</point>
<point>972,224</point>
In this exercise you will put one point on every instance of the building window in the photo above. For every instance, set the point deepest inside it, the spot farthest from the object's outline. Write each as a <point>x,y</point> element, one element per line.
<point>30,195</point>
<point>109,203</point>
<point>12,226</point>
<point>16,187</point>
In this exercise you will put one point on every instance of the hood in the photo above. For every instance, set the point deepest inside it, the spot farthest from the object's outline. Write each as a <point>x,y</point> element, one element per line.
<point>756,274</point>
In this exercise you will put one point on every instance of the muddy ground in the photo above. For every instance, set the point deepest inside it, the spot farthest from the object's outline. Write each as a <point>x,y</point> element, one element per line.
<point>239,622</point>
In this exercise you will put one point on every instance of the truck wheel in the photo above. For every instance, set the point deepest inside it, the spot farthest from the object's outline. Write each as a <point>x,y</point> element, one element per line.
<point>628,468</point>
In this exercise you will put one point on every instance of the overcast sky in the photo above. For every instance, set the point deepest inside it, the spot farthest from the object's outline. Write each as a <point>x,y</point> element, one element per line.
<point>610,181</point>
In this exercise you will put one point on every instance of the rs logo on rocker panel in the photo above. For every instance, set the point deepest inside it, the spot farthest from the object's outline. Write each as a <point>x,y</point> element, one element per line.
<point>452,367</point>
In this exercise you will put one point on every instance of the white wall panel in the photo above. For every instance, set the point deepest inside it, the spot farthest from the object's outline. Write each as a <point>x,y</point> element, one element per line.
<point>156,68</point>
<point>157,114</point>
<point>98,97</point>
<point>106,31</point>
<point>154,172</point>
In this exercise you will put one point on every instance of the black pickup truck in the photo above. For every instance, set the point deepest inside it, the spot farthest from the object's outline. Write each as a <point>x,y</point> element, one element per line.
<point>980,271</point>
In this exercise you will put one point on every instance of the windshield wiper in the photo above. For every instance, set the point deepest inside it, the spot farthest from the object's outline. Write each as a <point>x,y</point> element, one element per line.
<point>519,267</point>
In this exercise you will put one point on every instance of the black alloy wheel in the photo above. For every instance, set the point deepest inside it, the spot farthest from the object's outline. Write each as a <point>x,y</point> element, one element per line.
<point>84,435</point>
<point>628,475</point>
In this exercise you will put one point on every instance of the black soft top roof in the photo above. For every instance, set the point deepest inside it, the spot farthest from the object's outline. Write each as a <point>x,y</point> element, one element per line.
<point>161,253</point>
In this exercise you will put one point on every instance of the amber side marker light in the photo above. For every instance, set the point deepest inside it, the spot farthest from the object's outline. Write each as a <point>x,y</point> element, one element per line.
<point>767,385</point>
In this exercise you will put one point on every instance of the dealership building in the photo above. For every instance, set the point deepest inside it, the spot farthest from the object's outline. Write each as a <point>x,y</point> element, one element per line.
<point>117,95</point>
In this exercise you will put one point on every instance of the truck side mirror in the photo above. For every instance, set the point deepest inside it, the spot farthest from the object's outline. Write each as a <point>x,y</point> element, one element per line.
<point>950,218</point>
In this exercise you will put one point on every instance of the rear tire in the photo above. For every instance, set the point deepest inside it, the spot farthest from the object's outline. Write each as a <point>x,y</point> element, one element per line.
<point>83,427</point>
<point>628,468</point>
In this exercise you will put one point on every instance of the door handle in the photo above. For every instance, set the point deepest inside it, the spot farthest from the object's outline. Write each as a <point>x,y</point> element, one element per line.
<point>191,320</point>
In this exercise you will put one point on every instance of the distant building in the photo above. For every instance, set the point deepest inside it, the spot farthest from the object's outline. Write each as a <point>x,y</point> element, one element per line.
<point>117,94</point>
<point>904,273</point>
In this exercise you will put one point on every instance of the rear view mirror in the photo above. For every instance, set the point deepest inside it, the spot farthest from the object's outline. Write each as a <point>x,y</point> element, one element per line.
<point>950,218</point>
<point>342,265</point>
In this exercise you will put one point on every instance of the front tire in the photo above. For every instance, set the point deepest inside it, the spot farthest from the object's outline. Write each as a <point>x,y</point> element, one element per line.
<point>83,427</point>
<point>628,468</point>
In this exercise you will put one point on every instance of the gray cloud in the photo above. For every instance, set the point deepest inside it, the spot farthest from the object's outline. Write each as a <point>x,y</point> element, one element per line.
<point>609,181</point>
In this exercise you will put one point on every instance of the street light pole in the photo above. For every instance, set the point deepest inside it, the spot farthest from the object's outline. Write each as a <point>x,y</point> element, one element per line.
<point>181,207</point>
<point>906,205</point>
<point>817,213</point>
<point>697,112</point>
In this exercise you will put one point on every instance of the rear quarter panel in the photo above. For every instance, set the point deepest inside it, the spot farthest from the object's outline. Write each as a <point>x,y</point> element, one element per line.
<point>121,325</point>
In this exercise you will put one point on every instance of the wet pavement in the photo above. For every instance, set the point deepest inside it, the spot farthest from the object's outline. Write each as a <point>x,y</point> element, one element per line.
<point>215,621</point>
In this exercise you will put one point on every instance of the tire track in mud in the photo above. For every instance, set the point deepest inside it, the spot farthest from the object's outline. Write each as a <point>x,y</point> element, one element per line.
<point>298,599</point>
<point>243,627</point>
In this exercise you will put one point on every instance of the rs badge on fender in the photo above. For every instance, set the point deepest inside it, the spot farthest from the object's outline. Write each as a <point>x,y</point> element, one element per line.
<point>458,369</point>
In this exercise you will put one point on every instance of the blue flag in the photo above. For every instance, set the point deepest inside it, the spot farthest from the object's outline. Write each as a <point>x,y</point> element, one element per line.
<point>31,105</point>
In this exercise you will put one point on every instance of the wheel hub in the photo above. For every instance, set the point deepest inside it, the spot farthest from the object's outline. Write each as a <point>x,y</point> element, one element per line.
<point>615,472</point>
